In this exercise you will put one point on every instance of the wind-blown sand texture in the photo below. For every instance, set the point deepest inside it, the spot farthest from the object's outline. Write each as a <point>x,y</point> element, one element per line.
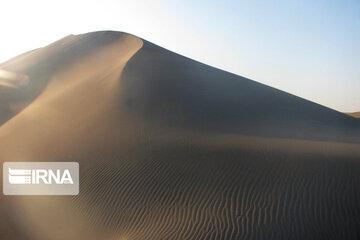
<point>170,148</point>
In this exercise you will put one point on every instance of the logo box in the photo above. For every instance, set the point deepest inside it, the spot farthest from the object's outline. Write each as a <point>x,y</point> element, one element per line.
<point>41,178</point>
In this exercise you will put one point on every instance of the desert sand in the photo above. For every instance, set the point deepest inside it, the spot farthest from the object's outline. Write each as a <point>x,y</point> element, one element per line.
<point>354,114</point>
<point>170,148</point>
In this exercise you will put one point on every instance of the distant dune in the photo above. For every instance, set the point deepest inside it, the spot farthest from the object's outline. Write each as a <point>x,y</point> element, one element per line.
<point>170,148</point>
<point>354,114</point>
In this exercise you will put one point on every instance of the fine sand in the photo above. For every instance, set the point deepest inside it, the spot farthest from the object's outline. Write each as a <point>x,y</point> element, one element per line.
<point>170,148</point>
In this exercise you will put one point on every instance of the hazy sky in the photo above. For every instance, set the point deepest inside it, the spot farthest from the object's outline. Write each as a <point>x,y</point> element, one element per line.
<point>305,47</point>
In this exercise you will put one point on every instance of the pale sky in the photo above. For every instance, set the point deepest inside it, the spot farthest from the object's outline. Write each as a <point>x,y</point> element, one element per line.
<point>305,47</point>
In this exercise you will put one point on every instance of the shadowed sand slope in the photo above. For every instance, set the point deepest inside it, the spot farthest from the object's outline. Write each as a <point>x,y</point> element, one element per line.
<point>170,148</point>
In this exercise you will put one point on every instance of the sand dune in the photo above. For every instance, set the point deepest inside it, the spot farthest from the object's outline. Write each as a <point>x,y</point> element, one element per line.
<point>354,114</point>
<point>170,148</point>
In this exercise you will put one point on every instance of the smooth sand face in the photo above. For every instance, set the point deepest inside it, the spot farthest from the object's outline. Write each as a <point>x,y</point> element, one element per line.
<point>173,149</point>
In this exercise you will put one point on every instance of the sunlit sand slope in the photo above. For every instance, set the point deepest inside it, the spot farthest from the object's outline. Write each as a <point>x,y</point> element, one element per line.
<point>170,148</point>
